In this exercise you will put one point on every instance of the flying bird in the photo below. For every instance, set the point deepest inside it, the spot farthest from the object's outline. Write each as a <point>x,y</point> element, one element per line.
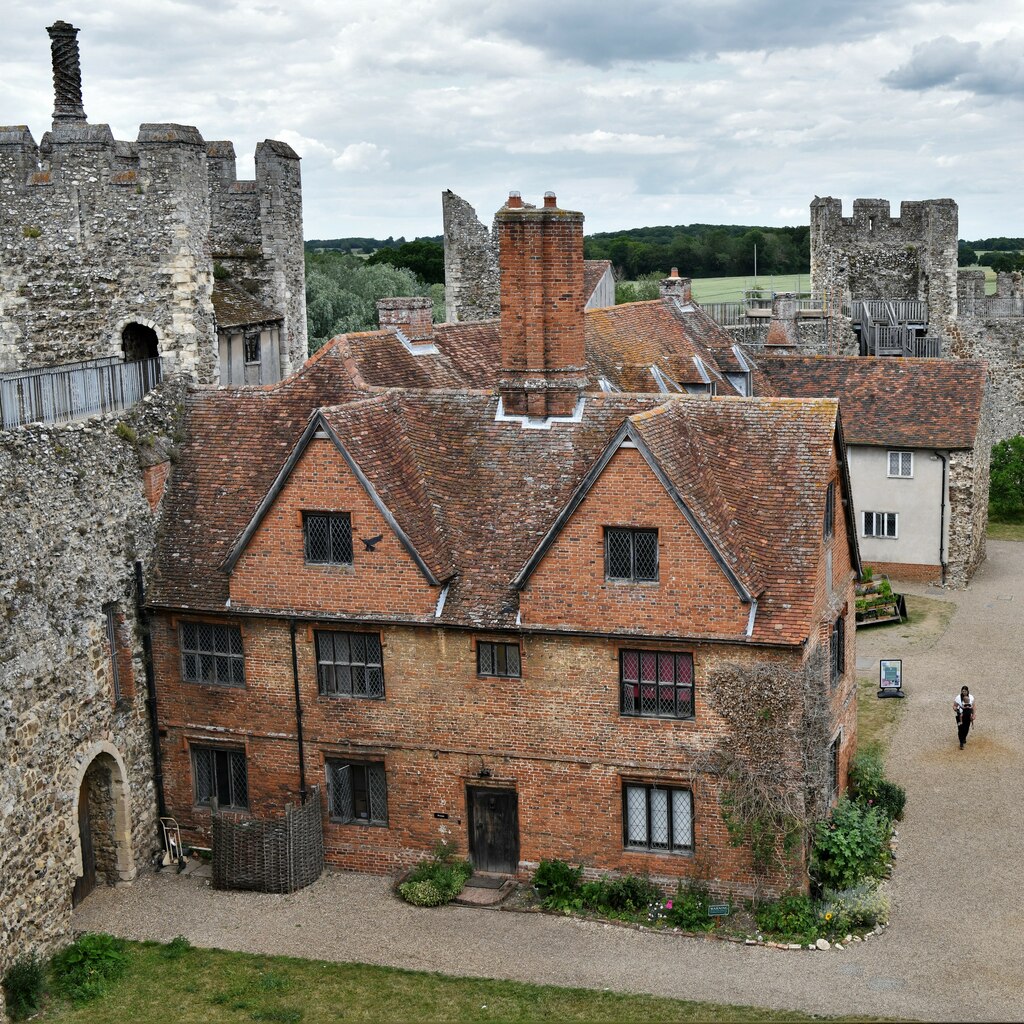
<point>372,542</point>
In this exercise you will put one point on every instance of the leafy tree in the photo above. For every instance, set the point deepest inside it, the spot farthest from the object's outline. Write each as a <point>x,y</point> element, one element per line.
<point>965,255</point>
<point>342,293</point>
<point>1006,479</point>
<point>1002,261</point>
<point>423,257</point>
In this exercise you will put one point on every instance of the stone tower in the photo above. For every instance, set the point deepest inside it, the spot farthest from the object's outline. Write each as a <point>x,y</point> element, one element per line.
<point>873,255</point>
<point>109,249</point>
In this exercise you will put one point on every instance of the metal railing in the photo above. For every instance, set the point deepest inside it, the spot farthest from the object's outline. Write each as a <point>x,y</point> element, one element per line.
<point>996,306</point>
<point>59,393</point>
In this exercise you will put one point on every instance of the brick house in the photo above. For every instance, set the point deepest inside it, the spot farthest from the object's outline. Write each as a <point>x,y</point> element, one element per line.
<point>505,616</point>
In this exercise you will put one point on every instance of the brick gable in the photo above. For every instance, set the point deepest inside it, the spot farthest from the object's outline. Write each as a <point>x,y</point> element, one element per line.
<point>271,572</point>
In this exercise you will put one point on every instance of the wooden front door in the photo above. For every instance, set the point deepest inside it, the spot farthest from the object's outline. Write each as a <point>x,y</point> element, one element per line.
<point>87,882</point>
<point>493,829</point>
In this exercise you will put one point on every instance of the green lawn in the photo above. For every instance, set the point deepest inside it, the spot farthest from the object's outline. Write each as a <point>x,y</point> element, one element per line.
<point>1005,531</point>
<point>216,987</point>
<point>731,289</point>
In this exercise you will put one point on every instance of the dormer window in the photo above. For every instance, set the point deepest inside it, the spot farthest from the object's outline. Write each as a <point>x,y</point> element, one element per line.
<point>631,554</point>
<point>328,538</point>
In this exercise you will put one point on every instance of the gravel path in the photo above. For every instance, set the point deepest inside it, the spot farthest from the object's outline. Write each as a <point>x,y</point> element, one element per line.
<point>952,952</point>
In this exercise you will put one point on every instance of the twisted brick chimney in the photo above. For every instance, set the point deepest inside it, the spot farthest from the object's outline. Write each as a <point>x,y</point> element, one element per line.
<point>543,365</point>
<point>67,74</point>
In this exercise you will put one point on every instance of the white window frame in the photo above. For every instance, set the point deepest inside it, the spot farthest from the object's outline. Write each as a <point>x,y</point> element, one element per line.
<point>884,518</point>
<point>902,457</point>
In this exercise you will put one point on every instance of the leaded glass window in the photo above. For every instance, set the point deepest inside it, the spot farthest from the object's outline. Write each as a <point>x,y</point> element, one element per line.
<point>349,664</point>
<point>656,684</point>
<point>357,792</point>
<point>328,537</point>
<point>657,818</point>
<point>631,554</point>
<point>211,653</point>
<point>220,775</point>
<point>493,659</point>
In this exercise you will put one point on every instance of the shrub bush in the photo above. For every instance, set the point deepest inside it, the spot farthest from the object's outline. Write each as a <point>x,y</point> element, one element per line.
<point>436,881</point>
<point>176,948</point>
<point>632,893</point>
<point>84,969</point>
<point>853,845</point>
<point>689,908</point>
<point>864,906</point>
<point>870,787</point>
<point>791,919</point>
<point>558,884</point>
<point>23,986</point>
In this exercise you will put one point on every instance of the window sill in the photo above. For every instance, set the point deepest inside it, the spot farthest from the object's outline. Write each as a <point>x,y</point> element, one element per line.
<point>658,718</point>
<point>359,822</point>
<point>658,853</point>
<point>350,696</point>
<point>213,686</point>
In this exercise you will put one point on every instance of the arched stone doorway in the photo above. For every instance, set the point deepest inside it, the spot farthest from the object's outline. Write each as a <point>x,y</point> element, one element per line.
<point>139,342</point>
<point>102,820</point>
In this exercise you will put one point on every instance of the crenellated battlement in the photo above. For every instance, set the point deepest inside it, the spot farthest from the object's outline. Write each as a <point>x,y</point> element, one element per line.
<point>99,235</point>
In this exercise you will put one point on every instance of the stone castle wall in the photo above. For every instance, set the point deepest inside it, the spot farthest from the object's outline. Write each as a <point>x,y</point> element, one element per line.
<point>471,274</point>
<point>76,519</point>
<point>96,234</point>
<point>873,255</point>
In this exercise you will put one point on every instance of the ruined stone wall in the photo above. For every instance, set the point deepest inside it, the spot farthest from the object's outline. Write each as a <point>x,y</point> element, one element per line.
<point>1001,342</point>
<point>873,255</point>
<point>75,520</point>
<point>471,273</point>
<point>968,510</point>
<point>829,336</point>
<point>256,235</point>
<point>96,234</point>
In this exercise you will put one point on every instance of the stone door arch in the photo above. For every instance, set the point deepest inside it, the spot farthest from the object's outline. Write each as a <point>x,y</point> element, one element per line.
<point>139,341</point>
<point>101,820</point>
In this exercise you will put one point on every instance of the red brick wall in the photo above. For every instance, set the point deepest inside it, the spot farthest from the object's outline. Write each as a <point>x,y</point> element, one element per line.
<point>912,572</point>
<point>272,572</point>
<point>556,736</point>
<point>541,261</point>
<point>154,479</point>
<point>569,588</point>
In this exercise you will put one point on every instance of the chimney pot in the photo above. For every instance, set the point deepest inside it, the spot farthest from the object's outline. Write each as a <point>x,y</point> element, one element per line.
<point>675,272</point>
<point>515,200</point>
<point>550,200</point>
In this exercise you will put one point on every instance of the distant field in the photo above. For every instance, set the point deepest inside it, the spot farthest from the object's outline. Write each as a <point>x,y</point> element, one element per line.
<point>731,289</point>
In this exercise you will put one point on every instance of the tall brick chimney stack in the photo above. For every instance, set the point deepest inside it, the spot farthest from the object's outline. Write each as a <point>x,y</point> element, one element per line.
<point>543,364</point>
<point>676,287</point>
<point>67,74</point>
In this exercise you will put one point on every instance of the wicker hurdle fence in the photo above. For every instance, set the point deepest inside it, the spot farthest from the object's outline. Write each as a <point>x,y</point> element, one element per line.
<point>277,855</point>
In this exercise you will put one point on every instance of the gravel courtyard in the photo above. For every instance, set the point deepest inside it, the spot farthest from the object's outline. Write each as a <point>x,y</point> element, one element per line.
<point>954,950</point>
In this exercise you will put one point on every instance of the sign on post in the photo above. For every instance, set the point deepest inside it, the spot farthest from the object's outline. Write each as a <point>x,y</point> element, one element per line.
<point>890,677</point>
<point>718,910</point>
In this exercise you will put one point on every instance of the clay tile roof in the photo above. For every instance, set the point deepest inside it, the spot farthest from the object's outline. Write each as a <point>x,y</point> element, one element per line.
<point>476,496</point>
<point>593,271</point>
<point>914,403</point>
<point>624,341</point>
<point>236,442</point>
<point>235,307</point>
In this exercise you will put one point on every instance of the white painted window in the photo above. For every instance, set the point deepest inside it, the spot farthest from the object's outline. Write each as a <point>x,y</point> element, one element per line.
<point>881,524</point>
<point>901,464</point>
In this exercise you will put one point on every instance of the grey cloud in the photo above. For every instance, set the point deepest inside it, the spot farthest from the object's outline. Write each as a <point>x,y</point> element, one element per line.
<point>937,62</point>
<point>994,70</point>
<point>679,30</point>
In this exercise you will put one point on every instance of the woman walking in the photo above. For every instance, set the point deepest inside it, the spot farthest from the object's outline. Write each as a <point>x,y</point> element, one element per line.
<point>964,708</point>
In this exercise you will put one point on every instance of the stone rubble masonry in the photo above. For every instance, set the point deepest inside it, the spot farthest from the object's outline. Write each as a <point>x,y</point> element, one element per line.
<point>873,255</point>
<point>97,233</point>
<point>75,521</point>
<point>471,274</point>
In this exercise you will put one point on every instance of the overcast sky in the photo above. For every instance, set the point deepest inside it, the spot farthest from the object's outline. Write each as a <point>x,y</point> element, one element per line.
<point>665,112</point>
